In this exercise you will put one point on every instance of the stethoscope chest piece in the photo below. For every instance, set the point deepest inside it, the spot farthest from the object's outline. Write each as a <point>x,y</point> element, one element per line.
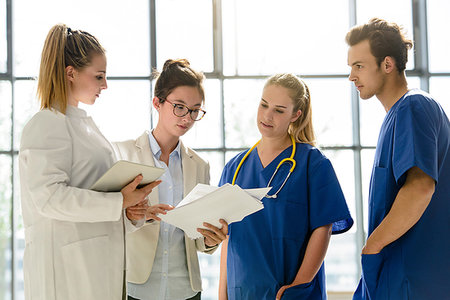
<point>286,160</point>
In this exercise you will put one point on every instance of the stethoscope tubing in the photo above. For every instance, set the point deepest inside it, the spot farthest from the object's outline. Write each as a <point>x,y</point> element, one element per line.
<point>288,160</point>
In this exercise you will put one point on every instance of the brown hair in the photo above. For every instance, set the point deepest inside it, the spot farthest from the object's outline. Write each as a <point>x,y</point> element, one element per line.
<point>385,39</point>
<point>177,73</point>
<point>302,129</point>
<point>63,47</point>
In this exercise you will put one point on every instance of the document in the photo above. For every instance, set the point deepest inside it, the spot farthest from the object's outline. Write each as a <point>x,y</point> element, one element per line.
<point>122,173</point>
<point>207,203</point>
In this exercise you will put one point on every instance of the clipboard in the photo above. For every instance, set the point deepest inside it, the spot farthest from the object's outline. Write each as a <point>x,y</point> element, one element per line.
<point>122,173</point>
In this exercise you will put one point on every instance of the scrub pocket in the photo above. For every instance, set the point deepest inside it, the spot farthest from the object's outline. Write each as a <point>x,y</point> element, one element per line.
<point>306,291</point>
<point>84,261</point>
<point>374,278</point>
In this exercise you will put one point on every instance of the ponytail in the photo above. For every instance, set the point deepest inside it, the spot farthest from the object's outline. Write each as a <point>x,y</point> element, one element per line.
<point>63,47</point>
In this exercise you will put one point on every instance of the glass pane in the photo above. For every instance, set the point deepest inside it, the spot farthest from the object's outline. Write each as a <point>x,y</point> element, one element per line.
<point>123,110</point>
<point>331,110</point>
<point>341,267</point>
<point>371,116</point>
<point>122,29</point>
<point>5,115</point>
<point>210,266</point>
<point>413,82</point>
<point>207,133</point>
<point>370,9</point>
<point>367,157</point>
<point>340,263</point>
<point>5,227</point>
<point>19,234</point>
<point>184,29</point>
<point>215,159</point>
<point>342,161</point>
<point>265,37</point>
<point>439,91</point>
<point>3,40</point>
<point>25,106</point>
<point>242,97</point>
<point>438,37</point>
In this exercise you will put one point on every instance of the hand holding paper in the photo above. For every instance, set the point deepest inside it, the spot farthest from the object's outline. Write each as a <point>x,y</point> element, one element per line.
<point>209,204</point>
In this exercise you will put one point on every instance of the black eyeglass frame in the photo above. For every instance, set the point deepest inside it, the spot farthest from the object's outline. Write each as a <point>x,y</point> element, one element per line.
<point>189,110</point>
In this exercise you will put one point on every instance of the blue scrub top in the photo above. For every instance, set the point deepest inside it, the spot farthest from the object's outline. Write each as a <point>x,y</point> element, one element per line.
<point>266,249</point>
<point>415,133</point>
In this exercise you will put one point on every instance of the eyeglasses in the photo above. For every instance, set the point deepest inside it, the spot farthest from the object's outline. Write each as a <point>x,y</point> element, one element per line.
<point>180,110</point>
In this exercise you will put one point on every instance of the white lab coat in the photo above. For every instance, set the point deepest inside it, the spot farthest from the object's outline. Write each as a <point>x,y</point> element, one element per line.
<point>74,236</point>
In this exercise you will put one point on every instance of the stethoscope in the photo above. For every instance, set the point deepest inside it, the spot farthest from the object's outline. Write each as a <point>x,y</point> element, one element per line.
<point>288,160</point>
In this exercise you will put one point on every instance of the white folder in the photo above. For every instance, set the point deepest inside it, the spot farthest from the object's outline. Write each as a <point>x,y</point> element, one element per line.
<point>209,204</point>
<point>122,173</point>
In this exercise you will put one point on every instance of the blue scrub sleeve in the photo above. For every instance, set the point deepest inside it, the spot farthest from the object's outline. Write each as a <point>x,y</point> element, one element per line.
<point>415,138</point>
<point>326,201</point>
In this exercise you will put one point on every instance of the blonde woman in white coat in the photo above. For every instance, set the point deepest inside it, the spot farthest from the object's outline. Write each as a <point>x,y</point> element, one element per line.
<point>74,236</point>
<point>162,261</point>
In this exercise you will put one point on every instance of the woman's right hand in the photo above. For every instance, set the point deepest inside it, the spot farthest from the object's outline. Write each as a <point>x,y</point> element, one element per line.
<point>132,195</point>
<point>154,210</point>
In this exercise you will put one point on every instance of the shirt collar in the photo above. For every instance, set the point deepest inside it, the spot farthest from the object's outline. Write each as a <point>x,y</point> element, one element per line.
<point>156,149</point>
<point>74,111</point>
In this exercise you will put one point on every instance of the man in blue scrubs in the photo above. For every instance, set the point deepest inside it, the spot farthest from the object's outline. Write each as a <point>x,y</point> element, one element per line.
<point>407,253</point>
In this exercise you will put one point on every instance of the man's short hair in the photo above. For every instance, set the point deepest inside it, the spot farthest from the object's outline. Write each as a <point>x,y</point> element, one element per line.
<point>385,39</point>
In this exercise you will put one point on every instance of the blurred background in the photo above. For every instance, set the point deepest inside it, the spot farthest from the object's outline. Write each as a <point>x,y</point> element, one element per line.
<point>237,44</point>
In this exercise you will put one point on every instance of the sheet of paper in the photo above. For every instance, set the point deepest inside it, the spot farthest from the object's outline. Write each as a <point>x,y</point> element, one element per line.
<point>198,191</point>
<point>201,190</point>
<point>209,204</point>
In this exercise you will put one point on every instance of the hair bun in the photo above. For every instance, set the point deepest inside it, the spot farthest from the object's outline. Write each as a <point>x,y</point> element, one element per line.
<point>170,63</point>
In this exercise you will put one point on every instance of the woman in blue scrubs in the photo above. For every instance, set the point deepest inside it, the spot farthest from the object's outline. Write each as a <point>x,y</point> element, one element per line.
<point>279,250</point>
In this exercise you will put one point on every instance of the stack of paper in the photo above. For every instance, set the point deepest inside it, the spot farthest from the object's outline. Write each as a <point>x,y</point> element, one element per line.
<point>207,203</point>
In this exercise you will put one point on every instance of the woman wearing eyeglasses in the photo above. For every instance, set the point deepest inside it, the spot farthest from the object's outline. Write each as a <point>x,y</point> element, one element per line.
<point>162,261</point>
<point>278,252</point>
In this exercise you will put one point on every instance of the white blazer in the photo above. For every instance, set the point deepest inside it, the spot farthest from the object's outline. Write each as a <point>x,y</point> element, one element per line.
<point>142,243</point>
<point>74,236</point>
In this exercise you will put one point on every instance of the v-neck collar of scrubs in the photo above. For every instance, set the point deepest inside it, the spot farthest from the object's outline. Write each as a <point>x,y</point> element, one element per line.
<point>270,168</point>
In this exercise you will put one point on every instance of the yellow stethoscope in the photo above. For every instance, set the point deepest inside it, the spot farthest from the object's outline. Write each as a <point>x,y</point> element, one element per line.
<point>288,160</point>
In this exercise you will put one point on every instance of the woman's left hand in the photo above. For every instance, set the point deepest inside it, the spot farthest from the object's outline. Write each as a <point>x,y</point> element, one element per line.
<point>137,211</point>
<point>281,291</point>
<point>214,235</point>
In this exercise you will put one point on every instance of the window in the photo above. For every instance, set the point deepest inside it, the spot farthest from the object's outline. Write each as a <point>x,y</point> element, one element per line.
<point>5,115</point>
<point>184,30</point>
<point>439,42</point>
<point>266,37</point>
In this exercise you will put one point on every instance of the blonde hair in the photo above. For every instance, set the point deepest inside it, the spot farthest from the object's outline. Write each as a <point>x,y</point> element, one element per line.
<point>63,47</point>
<point>302,129</point>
